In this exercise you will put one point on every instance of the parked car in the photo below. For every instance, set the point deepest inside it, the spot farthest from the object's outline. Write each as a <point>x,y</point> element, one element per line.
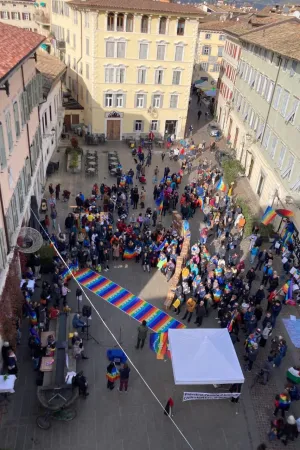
<point>214,130</point>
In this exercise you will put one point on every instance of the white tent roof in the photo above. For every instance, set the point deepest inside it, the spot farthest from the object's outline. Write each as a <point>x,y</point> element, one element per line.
<point>204,356</point>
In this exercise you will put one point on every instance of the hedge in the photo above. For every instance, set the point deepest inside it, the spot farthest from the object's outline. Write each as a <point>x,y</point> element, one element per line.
<point>231,168</point>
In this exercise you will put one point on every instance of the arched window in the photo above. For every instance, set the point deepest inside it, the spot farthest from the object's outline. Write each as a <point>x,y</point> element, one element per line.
<point>120,22</point>
<point>129,23</point>
<point>144,24</point>
<point>162,25</point>
<point>110,22</point>
<point>180,27</point>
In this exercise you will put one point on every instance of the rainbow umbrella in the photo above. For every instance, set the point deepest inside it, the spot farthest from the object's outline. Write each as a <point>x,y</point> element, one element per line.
<point>284,212</point>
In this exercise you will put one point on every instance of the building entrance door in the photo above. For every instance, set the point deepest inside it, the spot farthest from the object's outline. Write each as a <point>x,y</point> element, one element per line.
<point>113,130</point>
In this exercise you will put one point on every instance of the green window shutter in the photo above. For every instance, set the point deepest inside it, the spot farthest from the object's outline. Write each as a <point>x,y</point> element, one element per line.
<point>40,87</point>
<point>26,109</point>
<point>23,121</point>
<point>17,119</point>
<point>29,97</point>
<point>3,161</point>
<point>3,250</point>
<point>9,132</point>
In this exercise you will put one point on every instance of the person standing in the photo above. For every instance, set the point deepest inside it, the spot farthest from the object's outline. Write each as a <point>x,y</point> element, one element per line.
<point>142,334</point>
<point>57,191</point>
<point>53,217</point>
<point>200,313</point>
<point>146,262</point>
<point>154,217</point>
<point>51,190</point>
<point>163,156</point>
<point>124,377</point>
<point>111,375</point>
<point>190,306</point>
<point>199,114</point>
<point>191,130</point>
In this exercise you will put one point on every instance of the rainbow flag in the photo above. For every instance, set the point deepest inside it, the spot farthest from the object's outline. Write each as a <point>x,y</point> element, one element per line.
<point>289,295</point>
<point>160,202</point>
<point>268,216</point>
<point>230,325</point>
<point>217,294</point>
<point>221,186</point>
<point>161,246</point>
<point>159,344</point>
<point>113,375</point>
<point>129,253</point>
<point>285,287</point>
<point>283,400</point>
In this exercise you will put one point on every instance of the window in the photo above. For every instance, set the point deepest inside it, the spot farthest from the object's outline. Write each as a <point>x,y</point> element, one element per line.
<point>154,125</point>
<point>119,100</point>
<point>206,50</point>
<point>176,77</point>
<point>204,66</point>
<point>173,100</point>
<point>207,36</point>
<point>141,76</point>
<point>87,46</point>
<point>144,24</point>
<point>87,96</point>
<point>140,101</point>
<point>162,25</point>
<point>138,125</point>
<point>4,15</point>
<point>266,137</point>
<point>180,27</point>
<point>87,71</point>
<point>3,161</point>
<point>179,53</point>
<point>17,119</point>
<point>74,40</point>
<point>287,172</point>
<point>120,22</point>
<point>276,97</point>
<point>220,51</point>
<point>285,64</point>
<point>284,102</point>
<point>110,49</point>
<point>260,184</point>
<point>108,100</point>
<point>129,23</point>
<point>273,146</point>
<point>75,18</point>
<point>281,156</point>
<point>159,73</point>
<point>120,75</point>
<point>260,130</point>
<point>265,87</point>
<point>216,67</point>
<point>86,20</point>
<point>111,22</point>
<point>8,131</point>
<point>270,92</point>
<point>290,117</point>
<point>156,101</point>
<point>16,16</point>
<point>293,68</point>
<point>161,50</point>
<point>25,16</point>
<point>81,68</point>
<point>143,54</point>
<point>222,37</point>
<point>68,37</point>
<point>120,49</point>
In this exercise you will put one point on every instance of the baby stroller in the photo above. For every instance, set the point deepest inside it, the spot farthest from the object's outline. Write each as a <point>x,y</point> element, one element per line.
<point>44,206</point>
<point>66,195</point>
<point>142,179</point>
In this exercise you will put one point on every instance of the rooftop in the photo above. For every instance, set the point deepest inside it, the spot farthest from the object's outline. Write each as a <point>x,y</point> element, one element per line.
<point>282,38</point>
<point>256,20</point>
<point>137,5</point>
<point>216,25</point>
<point>16,45</point>
<point>50,67</point>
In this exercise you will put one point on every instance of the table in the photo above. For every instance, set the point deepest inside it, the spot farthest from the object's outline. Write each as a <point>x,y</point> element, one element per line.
<point>91,157</point>
<point>91,163</point>
<point>44,337</point>
<point>45,366</point>
<point>7,386</point>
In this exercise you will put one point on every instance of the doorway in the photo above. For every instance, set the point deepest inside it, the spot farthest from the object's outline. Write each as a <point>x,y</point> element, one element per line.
<point>75,119</point>
<point>67,122</point>
<point>113,129</point>
<point>260,184</point>
<point>171,126</point>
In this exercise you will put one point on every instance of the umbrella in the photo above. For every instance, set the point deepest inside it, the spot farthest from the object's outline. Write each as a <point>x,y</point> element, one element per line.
<point>210,93</point>
<point>284,212</point>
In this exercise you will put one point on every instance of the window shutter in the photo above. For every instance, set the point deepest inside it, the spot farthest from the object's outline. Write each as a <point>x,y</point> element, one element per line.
<point>124,100</point>
<point>152,101</point>
<point>26,111</point>
<point>8,130</point>
<point>23,120</point>
<point>161,101</point>
<point>134,122</point>
<point>145,101</point>
<point>3,161</point>
<point>16,118</point>
<point>3,250</point>
<point>142,126</point>
<point>40,87</point>
<point>158,124</point>
<point>135,100</point>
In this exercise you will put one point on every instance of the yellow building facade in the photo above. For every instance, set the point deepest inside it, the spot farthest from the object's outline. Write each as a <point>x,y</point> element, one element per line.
<point>209,51</point>
<point>131,69</point>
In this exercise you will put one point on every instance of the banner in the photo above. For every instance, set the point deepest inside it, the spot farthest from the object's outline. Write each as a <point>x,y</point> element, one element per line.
<point>208,396</point>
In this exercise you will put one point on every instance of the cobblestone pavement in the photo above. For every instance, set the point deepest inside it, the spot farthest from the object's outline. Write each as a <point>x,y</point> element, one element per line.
<point>112,420</point>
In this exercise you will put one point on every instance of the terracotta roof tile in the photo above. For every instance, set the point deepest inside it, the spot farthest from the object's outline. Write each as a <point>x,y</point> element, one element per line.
<point>51,68</point>
<point>16,44</point>
<point>241,27</point>
<point>138,5</point>
<point>217,25</point>
<point>282,38</point>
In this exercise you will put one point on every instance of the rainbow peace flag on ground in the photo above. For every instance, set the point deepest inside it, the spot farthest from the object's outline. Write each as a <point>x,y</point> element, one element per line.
<point>159,344</point>
<point>129,253</point>
<point>268,216</point>
<point>113,375</point>
<point>221,186</point>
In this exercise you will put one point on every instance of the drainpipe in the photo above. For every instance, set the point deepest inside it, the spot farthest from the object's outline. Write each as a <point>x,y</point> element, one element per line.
<point>80,56</point>
<point>27,126</point>
<point>271,100</point>
<point>4,222</point>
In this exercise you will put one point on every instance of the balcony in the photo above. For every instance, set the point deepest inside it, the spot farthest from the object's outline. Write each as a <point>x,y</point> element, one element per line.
<point>42,18</point>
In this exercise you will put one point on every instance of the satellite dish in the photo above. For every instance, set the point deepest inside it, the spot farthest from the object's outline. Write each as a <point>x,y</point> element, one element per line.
<point>29,240</point>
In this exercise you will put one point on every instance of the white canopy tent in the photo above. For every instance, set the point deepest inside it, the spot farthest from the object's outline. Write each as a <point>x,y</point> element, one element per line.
<point>204,356</point>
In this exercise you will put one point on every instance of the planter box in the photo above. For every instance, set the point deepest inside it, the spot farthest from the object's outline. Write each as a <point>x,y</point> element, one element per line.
<point>69,159</point>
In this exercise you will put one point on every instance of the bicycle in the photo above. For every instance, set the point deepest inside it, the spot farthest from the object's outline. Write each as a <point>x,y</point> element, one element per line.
<point>65,415</point>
